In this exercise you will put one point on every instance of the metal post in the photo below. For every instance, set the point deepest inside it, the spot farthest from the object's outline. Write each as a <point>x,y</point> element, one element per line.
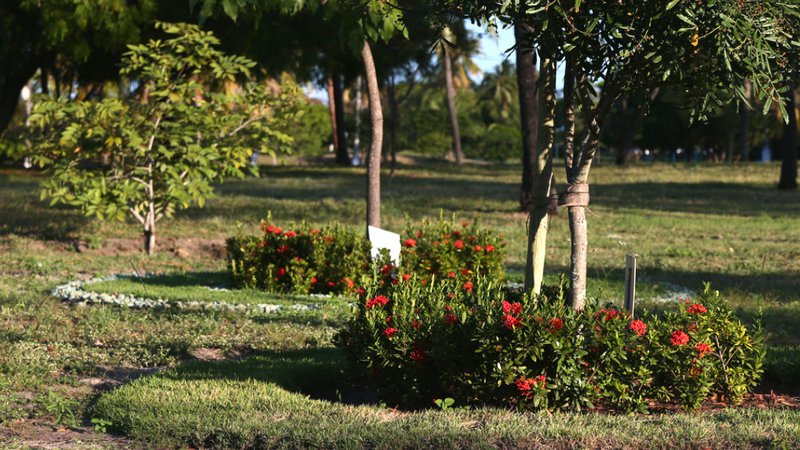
<point>630,282</point>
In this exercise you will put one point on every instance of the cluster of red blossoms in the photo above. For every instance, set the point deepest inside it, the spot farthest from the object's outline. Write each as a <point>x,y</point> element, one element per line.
<point>638,327</point>
<point>417,354</point>
<point>679,338</point>
<point>702,348</point>
<point>380,300</point>
<point>450,318</point>
<point>511,313</point>
<point>555,324</point>
<point>696,308</point>
<point>389,332</point>
<point>527,385</point>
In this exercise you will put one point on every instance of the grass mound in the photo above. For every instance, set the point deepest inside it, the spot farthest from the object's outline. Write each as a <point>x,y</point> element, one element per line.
<point>277,400</point>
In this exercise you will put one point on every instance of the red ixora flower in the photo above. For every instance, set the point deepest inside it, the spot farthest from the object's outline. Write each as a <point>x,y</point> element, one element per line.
<point>418,354</point>
<point>410,243</point>
<point>526,385</point>
<point>612,314</point>
<point>511,322</point>
<point>272,229</point>
<point>468,286</point>
<point>679,338</point>
<point>451,274</point>
<point>696,308</point>
<point>638,327</point>
<point>415,324</point>
<point>459,244</point>
<point>380,300</point>
<point>283,249</point>
<point>387,269</point>
<point>556,324</point>
<point>389,332</point>
<point>489,248</point>
<point>290,234</point>
<point>477,248</point>
<point>281,271</point>
<point>406,276</point>
<point>450,319</point>
<point>703,348</point>
<point>314,280</point>
<point>512,308</point>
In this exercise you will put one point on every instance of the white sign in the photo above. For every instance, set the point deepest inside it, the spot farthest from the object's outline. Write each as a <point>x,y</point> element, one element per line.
<point>382,239</point>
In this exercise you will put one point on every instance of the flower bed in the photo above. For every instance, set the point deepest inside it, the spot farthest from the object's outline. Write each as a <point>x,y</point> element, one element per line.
<point>420,342</point>
<point>333,260</point>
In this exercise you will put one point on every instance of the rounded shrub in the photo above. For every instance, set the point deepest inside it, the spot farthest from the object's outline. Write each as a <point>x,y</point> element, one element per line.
<point>420,340</point>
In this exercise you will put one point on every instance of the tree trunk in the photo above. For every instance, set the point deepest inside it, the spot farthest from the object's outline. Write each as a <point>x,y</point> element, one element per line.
<point>528,113</point>
<point>374,157</point>
<point>744,126</point>
<point>10,87</point>
<point>539,219</point>
<point>342,156</point>
<point>788,145</point>
<point>392,124</point>
<point>458,154</point>
<point>150,239</point>
<point>578,255</point>
<point>332,109</point>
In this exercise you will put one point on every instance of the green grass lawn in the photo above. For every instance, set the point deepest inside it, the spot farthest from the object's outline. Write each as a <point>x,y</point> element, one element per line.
<point>688,223</point>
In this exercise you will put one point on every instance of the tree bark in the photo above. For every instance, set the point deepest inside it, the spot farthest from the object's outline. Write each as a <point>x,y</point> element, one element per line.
<point>458,154</point>
<point>374,157</point>
<point>342,156</point>
<point>578,255</point>
<point>744,126</point>
<point>788,145</point>
<point>150,239</point>
<point>332,109</point>
<point>539,219</point>
<point>528,113</point>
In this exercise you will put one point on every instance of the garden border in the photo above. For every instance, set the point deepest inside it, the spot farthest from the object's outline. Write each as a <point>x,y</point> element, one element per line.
<point>75,293</point>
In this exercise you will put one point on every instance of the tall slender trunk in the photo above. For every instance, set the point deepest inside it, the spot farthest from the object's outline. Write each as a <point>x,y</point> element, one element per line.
<point>342,156</point>
<point>357,134</point>
<point>392,123</point>
<point>539,219</point>
<point>528,113</point>
<point>332,109</point>
<point>374,157</point>
<point>458,154</point>
<point>788,144</point>
<point>744,126</point>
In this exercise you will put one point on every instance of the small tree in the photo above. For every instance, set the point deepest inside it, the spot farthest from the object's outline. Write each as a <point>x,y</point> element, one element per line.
<point>191,126</point>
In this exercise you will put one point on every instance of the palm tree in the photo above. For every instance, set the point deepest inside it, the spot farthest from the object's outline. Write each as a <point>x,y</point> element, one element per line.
<point>456,48</point>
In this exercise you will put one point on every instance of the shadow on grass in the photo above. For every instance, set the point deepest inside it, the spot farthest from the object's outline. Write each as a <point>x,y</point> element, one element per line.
<point>742,199</point>
<point>23,213</point>
<point>185,279</point>
<point>320,373</point>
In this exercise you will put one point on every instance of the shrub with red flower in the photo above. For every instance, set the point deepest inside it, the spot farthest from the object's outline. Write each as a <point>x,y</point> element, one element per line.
<point>417,354</point>
<point>410,243</point>
<point>468,286</point>
<point>679,338</point>
<point>458,244</point>
<point>514,308</point>
<point>290,234</point>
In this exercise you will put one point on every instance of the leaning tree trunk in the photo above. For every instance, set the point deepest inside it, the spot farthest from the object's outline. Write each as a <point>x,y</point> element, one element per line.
<point>374,156</point>
<point>788,145</point>
<point>528,113</point>
<point>332,109</point>
<point>451,107</point>
<point>342,156</point>
<point>539,219</point>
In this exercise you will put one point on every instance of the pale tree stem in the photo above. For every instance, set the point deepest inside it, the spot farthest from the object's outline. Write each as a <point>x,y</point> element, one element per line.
<point>374,157</point>
<point>539,219</point>
<point>458,153</point>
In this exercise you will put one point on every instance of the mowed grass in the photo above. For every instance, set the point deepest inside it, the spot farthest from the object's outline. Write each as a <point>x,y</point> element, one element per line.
<point>688,223</point>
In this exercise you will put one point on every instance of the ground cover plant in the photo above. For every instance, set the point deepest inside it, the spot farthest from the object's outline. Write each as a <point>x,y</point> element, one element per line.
<point>689,223</point>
